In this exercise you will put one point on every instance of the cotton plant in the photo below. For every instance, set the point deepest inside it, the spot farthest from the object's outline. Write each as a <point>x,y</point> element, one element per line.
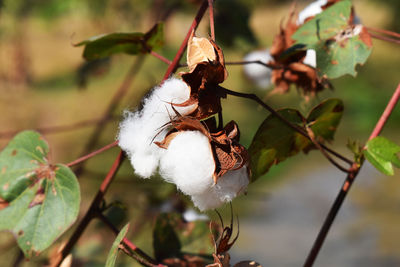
<point>175,133</point>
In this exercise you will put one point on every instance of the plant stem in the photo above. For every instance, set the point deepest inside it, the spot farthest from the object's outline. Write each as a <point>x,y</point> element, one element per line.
<point>58,128</point>
<point>94,153</point>
<point>294,127</point>
<point>92,212</point>
<point>390,33</point>
<point>160,57</point>
<point>145,260</point>
<point>118,96</point>
<point>354,170</point>
<point>211,14</point>
<point>267,65</point>
<point>175,62</point>
<point>386,113</point>
<point>384,38</point>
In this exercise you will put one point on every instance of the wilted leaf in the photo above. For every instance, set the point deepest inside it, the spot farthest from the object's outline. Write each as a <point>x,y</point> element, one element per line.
<point>275,141</point>
<point>129,43</point>
<point>199,49</point>
<point>112,255</point>
<point>339,45</point>
<point>383,154</point>
<point>43,198</point>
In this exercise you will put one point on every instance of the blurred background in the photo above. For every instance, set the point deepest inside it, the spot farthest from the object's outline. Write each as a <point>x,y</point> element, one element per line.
<point>44,82</point>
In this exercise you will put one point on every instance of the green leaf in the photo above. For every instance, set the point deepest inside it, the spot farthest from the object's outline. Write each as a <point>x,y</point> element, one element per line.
<point>275,141</point>
<point>43,199</point>
<point>338,45</point>
<point>382,153</point>
<point>129,43</point>
<point>112,255</point>
<point>166,243</point>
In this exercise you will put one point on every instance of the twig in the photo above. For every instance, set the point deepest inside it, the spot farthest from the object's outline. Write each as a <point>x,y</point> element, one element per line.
<point>390,33</point>
<point>145,260</point>
<point>94,153</point>
<point>384,38</point>
<point>92,212</point>
<point>175,62</point>
<point>59,128</point>
<point>271,66</point>
<point>294,127</point>
<point>354,170</point>
<point>119,94</point>
<point>160,57</point>
<point>386,113</point>
<point>211,14</point>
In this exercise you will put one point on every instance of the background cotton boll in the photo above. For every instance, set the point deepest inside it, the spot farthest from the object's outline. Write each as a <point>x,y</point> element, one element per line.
<point>191,215</point>
<point>232,184</point>
<point>258,73</point>
<point>311,10</point>
<point>310,58</point>
<point>189,163</point>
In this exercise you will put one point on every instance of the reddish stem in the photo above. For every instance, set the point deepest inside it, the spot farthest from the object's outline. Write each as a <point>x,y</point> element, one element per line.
<point>386,113</point>
<point>211,14</point>
<point>390,33</point>
<point>160,57</point>
<point>267,65</point>
<point>175,62</point>
<point>92,212</point>
<point>94,153</point>
<point>383,38</point>
<point>354,170</point>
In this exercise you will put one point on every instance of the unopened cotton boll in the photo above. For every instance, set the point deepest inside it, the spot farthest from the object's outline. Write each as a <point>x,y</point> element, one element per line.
<point>140,129</point>
<point>259,74</point>
<point>311,10</point>
<point>310,58</point>
<point>189,163</point>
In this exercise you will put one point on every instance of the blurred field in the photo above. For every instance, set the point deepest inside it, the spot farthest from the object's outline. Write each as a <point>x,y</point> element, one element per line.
<point>50,96</point>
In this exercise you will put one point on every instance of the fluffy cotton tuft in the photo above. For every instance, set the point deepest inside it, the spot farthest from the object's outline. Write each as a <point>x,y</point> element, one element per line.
<point>311,10</point>
<point>259,74</point>
<point>189,163</point>
<point>138,129</point>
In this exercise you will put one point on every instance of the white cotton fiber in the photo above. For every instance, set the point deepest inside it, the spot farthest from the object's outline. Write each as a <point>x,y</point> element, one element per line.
<point>258,73</point>
<point>138,129</point>
<point>191,215</point>
<point>189,163</point>
<point>229,186</point>
<point>311,58</point>
<point>311,10</point>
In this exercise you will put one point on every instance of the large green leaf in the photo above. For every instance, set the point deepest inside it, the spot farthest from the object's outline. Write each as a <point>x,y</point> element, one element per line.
<point>129,43</point>
<point>275,141</point>
<point>382,153</point>
<point>112,255</point>
<point>42,199</point>
<point>339,46</point>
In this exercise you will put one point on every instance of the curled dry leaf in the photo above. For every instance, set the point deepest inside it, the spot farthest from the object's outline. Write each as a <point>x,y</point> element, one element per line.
<point>290,68</point>
<point>206,70</point>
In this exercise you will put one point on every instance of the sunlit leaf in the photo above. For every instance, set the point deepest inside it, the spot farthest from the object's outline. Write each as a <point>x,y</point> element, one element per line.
<point>43,199</point>
<point>275,141</point>
<point>129,43</point>
<point>339,45</point>
<point>112,255</point>
<point>383,154</point>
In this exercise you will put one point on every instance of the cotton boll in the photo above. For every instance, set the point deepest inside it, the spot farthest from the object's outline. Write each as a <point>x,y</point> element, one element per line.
<point>191,215</point>
<point>232,184</point>
<point>189,163</point>
<point>310,58</point>
<point>311,10</point>
<point>258,73</point>
<point>140,129</point>
<point>207,200</point>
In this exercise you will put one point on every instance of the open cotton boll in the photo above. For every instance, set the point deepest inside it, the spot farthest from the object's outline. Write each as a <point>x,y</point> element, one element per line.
<point>207,200</point>
<point>311,10</point>
<point>189,163</point>
<point>258,73</point>
<point>232,184</point>
<point>140,129</point>
<point>310,58</point>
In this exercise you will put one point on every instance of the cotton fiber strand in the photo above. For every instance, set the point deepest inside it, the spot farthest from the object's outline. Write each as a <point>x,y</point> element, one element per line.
<point>259,74</point>
<point>139,128</point>
<point>189,163</point>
